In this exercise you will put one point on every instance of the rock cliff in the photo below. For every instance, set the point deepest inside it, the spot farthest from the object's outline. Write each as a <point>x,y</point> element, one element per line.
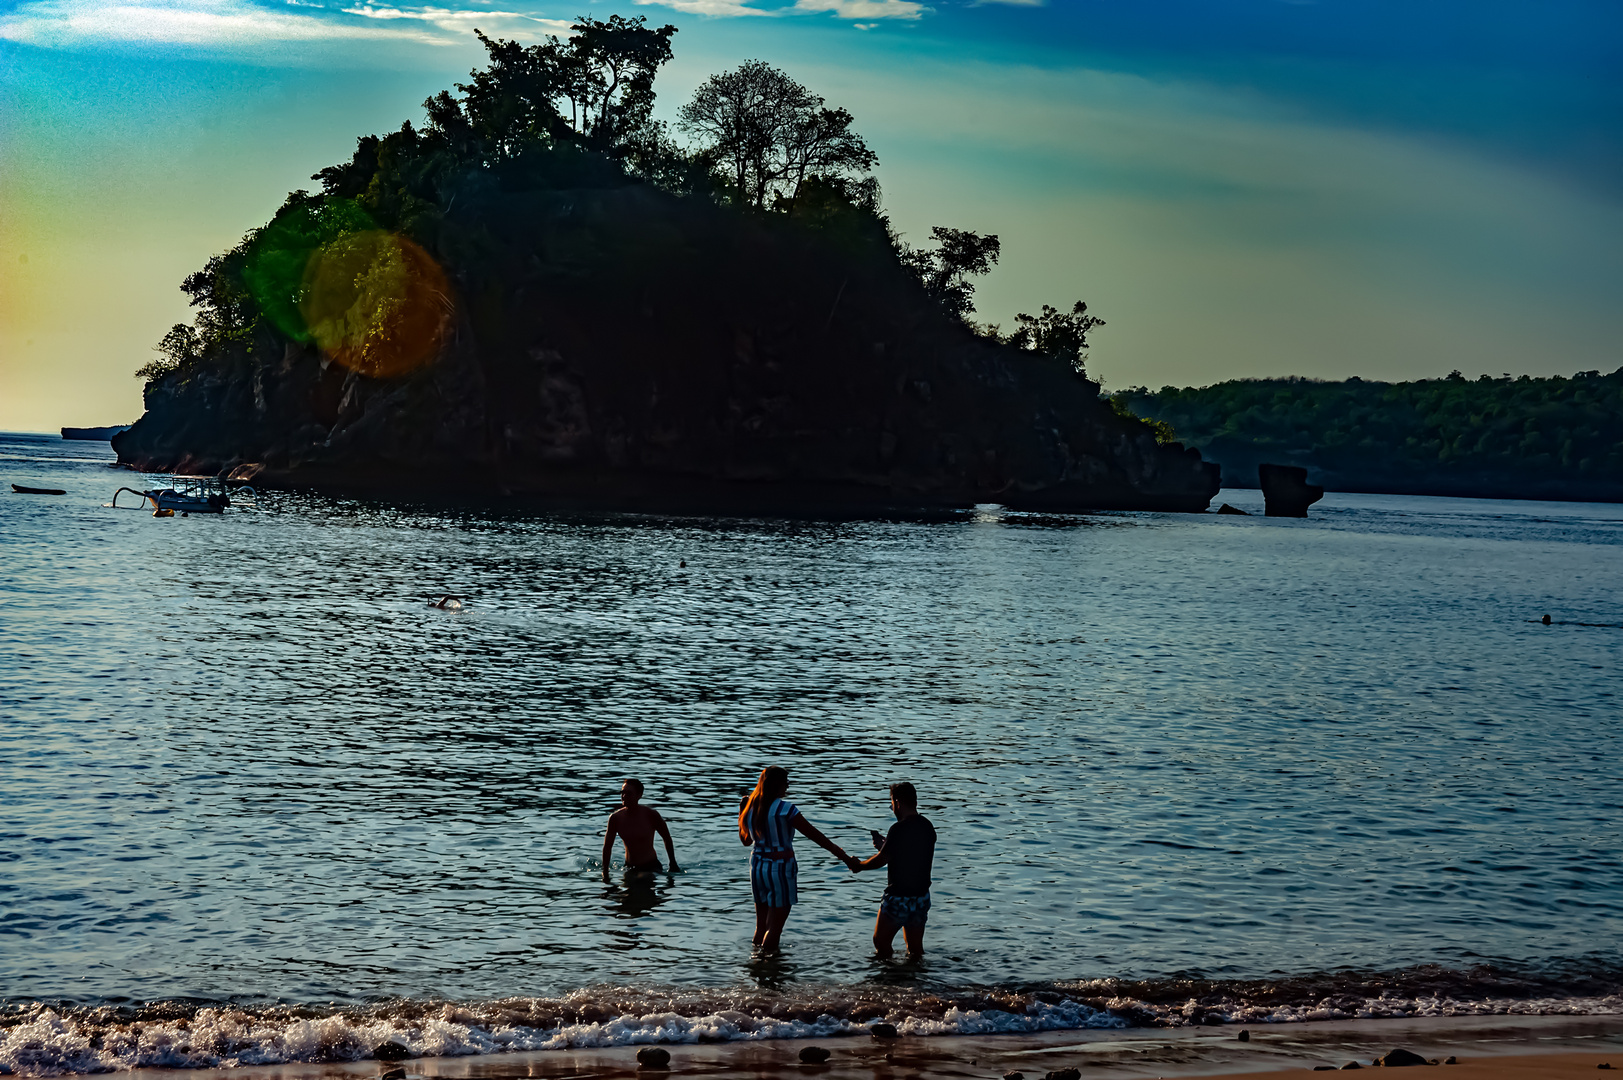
<point>622,347</point>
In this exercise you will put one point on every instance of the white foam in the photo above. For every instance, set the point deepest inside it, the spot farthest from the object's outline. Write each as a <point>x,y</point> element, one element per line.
<point>49,1044</point>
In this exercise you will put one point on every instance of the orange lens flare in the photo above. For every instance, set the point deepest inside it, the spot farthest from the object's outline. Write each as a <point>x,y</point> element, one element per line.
<point>376,303</point>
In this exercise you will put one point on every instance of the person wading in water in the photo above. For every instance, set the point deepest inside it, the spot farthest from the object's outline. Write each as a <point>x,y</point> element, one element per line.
<point>767,822</point>
<point>908,852</point>
<point>636,825</point>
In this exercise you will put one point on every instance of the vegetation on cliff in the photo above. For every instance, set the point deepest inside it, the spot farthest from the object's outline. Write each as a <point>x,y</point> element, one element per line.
<point>1508,437</point>
<point>540,288</point>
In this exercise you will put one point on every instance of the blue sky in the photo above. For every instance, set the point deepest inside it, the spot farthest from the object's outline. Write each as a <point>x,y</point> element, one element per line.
<point>1239,187</point>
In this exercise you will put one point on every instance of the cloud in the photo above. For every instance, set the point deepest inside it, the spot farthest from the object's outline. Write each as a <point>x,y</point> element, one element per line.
<point>198,23</point>
<point>453,20</point>
<point>865,9</point>
<point>709,7</point>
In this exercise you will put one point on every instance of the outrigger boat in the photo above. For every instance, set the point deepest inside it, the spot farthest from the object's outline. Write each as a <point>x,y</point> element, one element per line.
<point>189,495</point>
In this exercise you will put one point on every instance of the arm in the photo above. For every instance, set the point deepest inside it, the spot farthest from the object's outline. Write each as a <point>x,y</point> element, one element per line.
<point>664,832</point>
<point>608,844</point>
<point>810,832</point>
<point>873,862</point>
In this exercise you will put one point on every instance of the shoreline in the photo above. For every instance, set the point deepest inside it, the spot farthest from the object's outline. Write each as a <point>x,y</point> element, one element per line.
<point>1485,1047</point>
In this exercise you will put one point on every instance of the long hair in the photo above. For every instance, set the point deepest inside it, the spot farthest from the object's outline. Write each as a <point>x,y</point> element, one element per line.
<point>773,783</point>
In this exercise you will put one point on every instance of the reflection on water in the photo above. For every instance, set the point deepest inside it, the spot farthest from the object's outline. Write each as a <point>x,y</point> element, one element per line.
<point>242,756</point>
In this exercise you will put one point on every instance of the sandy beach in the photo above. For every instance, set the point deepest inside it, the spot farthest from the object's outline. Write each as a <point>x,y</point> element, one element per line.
<point>1484,1048</point>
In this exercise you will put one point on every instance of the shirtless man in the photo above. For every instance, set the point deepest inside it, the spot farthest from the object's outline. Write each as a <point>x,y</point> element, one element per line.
<point>636,826</point>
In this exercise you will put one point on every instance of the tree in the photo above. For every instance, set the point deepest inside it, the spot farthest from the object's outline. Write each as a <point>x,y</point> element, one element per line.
<point>1056,333</point>
<point>603,76</point>
<point>771,135</point>
<point>179,349</point>
<point>945,271</point>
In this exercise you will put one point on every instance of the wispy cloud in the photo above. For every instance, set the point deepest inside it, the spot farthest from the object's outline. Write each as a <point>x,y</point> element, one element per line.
<point>709,7</point>
<point>198,23</point>
<point>454,20</point>
<point>865,9</point>
<point>236,25</point>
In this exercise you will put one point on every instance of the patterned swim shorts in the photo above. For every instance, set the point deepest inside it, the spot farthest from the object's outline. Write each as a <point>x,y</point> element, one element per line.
<point>905,911</point>
<point>774,880</point>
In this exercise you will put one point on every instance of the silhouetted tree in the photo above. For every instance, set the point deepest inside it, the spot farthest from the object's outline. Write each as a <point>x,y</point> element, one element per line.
<point>594,90</point>
<point>1060,334</point>
<point>945,271</point>
<point>770,134</point>
<point>179,349</point>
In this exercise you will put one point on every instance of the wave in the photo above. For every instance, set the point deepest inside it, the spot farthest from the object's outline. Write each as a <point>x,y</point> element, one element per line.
<point>42,1038</point>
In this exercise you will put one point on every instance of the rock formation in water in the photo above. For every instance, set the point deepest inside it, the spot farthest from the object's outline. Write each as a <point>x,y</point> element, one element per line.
<point>1285,490</point>
<point>623,347</point>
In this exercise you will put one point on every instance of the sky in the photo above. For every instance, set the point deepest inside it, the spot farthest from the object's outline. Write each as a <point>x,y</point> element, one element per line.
<point>1241,188</point>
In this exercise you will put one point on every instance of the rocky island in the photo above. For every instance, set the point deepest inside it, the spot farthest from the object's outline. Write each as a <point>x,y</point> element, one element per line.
<point>540,294</point>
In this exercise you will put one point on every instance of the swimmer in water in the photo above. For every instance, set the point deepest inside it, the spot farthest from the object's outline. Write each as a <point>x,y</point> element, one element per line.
<point>449,603</point>
<point>636,825</point>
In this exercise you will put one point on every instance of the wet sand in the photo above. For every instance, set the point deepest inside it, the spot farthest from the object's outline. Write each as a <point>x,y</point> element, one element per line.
<point>1486,1048</point>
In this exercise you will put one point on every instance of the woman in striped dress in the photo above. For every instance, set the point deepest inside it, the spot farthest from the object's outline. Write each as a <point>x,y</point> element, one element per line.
<point>767,822</point>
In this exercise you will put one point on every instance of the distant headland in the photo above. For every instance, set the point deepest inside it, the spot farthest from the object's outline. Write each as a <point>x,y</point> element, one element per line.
<point>95,434</point>
<point>1505,438</point>
<point>540,293</point>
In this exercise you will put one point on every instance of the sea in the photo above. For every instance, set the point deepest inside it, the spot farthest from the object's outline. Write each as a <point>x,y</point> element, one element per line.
<point>260,801</point>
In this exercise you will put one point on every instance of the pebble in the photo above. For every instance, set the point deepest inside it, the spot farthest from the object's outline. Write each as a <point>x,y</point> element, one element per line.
<point>1012,1075</point>
<point>1064,1074</point>
<point>394,1074</point>
<point>1245,1036</point>
<point>1352,1065</point>
<point>813,1055</point>
<point>391,1051</point>
<point>653,1057</point>
<point>882,1031</point>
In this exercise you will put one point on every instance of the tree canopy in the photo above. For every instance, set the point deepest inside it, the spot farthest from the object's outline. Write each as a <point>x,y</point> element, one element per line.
<point>768,134</point>
<point>566,113</point>
<point>1511,435</point>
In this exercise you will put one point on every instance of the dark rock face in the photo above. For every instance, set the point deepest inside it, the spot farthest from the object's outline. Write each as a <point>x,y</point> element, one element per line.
<point>1227,509</point>
<point>1285,490</point>
<point>621,349</point>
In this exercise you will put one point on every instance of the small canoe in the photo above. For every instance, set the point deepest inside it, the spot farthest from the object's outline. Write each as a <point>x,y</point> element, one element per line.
<point>19,489</point>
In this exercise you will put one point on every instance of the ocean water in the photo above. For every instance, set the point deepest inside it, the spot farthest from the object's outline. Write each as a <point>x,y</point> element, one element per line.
<point>259,801</point>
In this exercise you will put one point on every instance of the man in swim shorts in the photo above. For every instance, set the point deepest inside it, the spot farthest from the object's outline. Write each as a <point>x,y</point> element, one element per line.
<point>907,853</point>
<point>636,825</point>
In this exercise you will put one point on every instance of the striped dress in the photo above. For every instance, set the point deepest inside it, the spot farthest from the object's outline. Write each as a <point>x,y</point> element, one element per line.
<point>773,872</point>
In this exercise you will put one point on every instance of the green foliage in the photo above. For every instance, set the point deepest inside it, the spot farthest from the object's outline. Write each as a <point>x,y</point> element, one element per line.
<point>1525,427</point>
<point>279,254</point>
<point>1162,430</point>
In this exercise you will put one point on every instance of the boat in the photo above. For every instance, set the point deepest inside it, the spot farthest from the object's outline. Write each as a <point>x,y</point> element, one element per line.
<point>21,490</point>
<point>186,495</point>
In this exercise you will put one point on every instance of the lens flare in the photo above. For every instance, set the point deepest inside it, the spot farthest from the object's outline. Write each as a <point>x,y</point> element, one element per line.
<point>376,303</point>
